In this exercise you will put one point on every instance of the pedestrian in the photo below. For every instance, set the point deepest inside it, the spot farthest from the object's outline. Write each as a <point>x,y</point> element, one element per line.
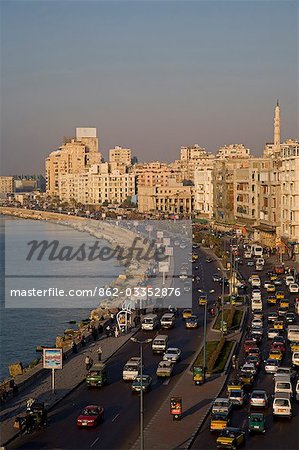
<point>112,317</point>
<point>108,330</point>
<point>88,362</point>
<point>99,352</point>
<point>116,333</point>
<point>74,347</point>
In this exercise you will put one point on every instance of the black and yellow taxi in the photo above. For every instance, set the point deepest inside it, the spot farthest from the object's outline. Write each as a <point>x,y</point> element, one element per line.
<point>234,383</point>
<point>273,276</point>
<point>187,313</point>
<point>247,378</point>
<point>284,303</point>
<point>271,300</point>
<point>231,438</point>
<point>294,346</point>
<point>278,325</point>
<point>279,295</point>
<point>219,420</point>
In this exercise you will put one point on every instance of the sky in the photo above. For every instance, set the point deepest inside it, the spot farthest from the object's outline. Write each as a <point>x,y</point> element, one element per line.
<point>149,75</point>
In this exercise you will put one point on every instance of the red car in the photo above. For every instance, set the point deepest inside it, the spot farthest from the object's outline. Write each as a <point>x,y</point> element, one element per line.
<point>91,416</point>
<point>249,344</point>
<point>255,351</point>
<point>278,346</point>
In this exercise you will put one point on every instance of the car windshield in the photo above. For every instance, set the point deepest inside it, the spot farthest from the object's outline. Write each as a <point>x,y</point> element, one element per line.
<point>159,342</point>
<point>235,393</point>
<point>130,367</point>
<point>281,402</point>
<point>228,433</point>
<point>89,412</point>
<point>283,385</point>
<point>258,395</point>
<point>95,373</point>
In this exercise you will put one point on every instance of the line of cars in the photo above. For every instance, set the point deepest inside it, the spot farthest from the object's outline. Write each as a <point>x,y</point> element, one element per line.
<point>283,332</point>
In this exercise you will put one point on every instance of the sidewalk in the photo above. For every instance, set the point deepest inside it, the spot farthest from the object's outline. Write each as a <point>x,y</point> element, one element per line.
<point>67,379</point>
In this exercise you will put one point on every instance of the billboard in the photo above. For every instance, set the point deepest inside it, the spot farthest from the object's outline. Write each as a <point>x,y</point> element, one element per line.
<point>52,358</point>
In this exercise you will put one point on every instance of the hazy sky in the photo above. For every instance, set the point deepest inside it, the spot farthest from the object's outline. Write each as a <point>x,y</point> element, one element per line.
<point>150,75</point>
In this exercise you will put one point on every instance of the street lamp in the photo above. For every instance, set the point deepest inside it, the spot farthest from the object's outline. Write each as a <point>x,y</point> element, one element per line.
<point>205,334</point>
<point>222,298</point>
<point>137,341</point>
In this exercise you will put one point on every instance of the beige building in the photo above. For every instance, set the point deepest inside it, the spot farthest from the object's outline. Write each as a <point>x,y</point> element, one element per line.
<point>172,199</point>
<point>74,157</point>
<point>192,152</point>
<point>153,174</point>
<point>204,192</point>
<point>120,155</point>
<point>6,185</point>
<point>233,151</point>
<point>289,182</point>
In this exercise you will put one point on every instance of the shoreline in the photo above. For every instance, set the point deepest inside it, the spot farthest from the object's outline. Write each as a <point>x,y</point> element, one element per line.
<point>115,236</point>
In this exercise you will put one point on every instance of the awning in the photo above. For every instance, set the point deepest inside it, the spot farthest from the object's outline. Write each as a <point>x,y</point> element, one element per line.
<point>265,228</point>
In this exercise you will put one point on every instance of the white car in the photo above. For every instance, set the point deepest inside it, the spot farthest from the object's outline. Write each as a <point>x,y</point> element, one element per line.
<point>271,365</point>
<point>221,405</point>
<point>295,359</point>
<point>290,280</point>
<point>259,398</point>
<point>293,288</point>
<point>256,294</point>
<point>249,367</point>
<point>267,283</point>
<point>172,354</point>
<point>272,333</point>
<point>282,405</point>
<point>256,282</point>
<point>257,323</point>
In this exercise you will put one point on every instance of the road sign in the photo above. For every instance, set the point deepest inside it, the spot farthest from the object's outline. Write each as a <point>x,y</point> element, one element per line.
<point>169,251</point>
<point>166,241</point>
<point>163,266</point>
<point>52,358</point>
<point>159,234</point>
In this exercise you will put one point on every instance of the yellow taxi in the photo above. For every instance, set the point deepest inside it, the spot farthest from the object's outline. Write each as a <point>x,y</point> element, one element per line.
<point>271,300</point>
<point>278,325</point>
<point>275,354</point>
<point>273,277</point>
<point>194,257</point>
<point>202,300</point>
<point>279,295</point>
<point>234,384</point>
<point>187,313</point>
<point>284,303</point>
<point>294,347</point>
<point>219,420</point>
<point>271,288</point>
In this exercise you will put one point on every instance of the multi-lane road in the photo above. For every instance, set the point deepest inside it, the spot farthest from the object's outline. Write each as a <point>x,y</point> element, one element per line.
<point>280,433</point>
<point>120,428</point>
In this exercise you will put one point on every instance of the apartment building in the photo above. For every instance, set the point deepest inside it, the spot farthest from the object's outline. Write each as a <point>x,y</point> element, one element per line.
<point>6,185</point>
<point>120,155</point>
<point>204,192</point>
<point>75,156</point>
<point>289,182</point>
<point>233,151</point>
<point>174,199</point>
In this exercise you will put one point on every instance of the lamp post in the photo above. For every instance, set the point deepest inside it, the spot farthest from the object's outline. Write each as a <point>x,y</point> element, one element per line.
<point>222,299</point>
<point>205,334</point>
<point>146,341</point>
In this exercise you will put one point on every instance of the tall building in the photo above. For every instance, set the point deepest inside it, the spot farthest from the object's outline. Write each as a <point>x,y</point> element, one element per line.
<point>6,185</point>
<point>120,155</point>
<point>204,192</point>
<point>192,152</point>
<point>75,156</point>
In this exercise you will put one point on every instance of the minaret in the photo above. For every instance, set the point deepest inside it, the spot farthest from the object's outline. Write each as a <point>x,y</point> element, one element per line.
<point>277,128</point>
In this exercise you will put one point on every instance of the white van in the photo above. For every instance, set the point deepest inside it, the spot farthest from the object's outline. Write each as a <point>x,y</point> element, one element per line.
<point>293,333</point>
<point>260,261</point>
<point>131,369</point>
<point>282,406</point>
<point>283,384</point>
<point>247,254</point>
<point>257,251</point>
<point>167,320</point>
<point>150,322</point>
<point>160,343</point>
